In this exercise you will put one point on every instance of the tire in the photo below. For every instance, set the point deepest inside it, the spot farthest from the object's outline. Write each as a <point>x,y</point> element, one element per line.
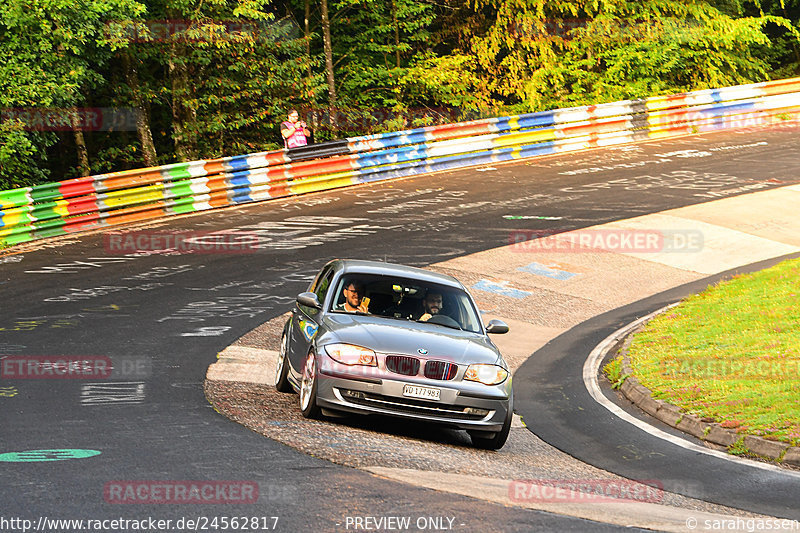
<point>282,370</point>
<point>496,441</point>
<point>308,388</point>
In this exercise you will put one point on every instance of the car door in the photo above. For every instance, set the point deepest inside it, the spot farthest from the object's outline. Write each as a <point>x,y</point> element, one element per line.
<point>305,320</point>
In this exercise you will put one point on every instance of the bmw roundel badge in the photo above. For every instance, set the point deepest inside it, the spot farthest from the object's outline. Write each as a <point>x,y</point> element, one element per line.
<point>422,351</point>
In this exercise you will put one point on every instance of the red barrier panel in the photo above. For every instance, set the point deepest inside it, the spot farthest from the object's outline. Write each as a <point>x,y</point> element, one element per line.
<point>76,187</point>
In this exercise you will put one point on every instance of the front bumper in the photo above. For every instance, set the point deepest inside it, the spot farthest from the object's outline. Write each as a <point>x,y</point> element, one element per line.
<point>464,406</point>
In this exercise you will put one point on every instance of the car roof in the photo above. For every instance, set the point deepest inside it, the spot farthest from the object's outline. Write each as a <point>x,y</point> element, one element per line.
<point>359,266</point>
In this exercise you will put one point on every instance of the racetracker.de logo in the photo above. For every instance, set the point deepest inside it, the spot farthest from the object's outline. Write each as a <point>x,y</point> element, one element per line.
<point>76,118</point>
<point>55,367</point>
<point>585,491</point>
<point>637,241</point>
<point>782,368</point>
<point>181,242</point>
<point>180,492</point>
<point>206,31</point>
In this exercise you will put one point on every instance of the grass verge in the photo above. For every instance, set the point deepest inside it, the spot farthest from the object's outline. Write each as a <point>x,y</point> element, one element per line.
<point>613,371</point>
<point>731,354</point>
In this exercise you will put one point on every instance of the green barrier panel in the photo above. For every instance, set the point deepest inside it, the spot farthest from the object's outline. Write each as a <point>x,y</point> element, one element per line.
<point>180,190</point>
<point>46,191</point>
<point>14,198</point>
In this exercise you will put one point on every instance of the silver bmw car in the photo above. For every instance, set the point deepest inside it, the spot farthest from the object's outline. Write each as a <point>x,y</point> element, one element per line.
<point>383,339</point>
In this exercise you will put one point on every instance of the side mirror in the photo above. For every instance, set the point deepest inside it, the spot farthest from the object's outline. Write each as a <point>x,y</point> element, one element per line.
<point>309,299</point>
<point>497,327</point>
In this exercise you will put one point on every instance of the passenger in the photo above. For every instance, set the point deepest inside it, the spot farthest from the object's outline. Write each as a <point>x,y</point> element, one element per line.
<point>354,300</point>
<point>432,303</point>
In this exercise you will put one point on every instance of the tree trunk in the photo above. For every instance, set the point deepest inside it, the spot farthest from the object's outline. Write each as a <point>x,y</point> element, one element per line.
<point>184,118</point>
<point>326,38</point>
<point>312,108</point>
<point>307,33</point>
<point>80,144</point>
<point>77,133</point>
<point>142,109</point>
<point>396,33</point>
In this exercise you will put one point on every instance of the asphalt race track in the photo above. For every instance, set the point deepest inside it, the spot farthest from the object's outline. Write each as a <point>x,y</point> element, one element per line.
<point>557,407</point>
<point>166,315</point>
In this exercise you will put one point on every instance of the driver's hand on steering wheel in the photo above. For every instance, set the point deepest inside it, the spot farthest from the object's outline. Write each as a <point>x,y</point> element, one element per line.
<point>425,317</point>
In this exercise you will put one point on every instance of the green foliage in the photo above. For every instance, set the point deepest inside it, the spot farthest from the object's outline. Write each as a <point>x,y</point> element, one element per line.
<point>551,53</point>
<point>389,77</point>
<point>730,353</point>
<point>51,49</point>
<point>783,54</point>
<point>738,448</point>
<point>450,80</point>
<point>216,77</point>
<point>241,67</point>
<point>111,158</point>
<point>21,163</point>
<point>53,53</point>
<point>369,37</point>
<point>613,371</point>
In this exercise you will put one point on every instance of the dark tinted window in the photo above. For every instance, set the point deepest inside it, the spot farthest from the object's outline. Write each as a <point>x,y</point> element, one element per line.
<point>405,299</point>
<point>319,287</point>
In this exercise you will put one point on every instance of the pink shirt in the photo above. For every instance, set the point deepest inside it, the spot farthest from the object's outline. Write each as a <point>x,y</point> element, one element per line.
<point>298,138</point>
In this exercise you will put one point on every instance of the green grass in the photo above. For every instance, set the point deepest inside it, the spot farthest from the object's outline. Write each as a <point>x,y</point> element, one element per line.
<point>613,371</point>
<point>731,354</point>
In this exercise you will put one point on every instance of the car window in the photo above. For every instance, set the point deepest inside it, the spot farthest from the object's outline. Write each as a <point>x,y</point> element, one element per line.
<point>322,287</point>
<point>318,280</point>
<point>465,315</point>
<point>319,287</point>
<point>405,298</point>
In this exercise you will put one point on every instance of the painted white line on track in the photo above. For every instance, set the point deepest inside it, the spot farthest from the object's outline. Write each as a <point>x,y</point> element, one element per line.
<point>591,369</point>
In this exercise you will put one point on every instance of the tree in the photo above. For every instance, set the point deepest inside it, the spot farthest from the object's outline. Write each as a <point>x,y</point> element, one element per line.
<point>22,155</point>
<point>329,75</point>
<point>208,78</point>
<point>53,54</point>
<point>230,66</point>
<point>375,40</point>
<point>550,53</point>
<point>783,51</point>
<point>130,63</point>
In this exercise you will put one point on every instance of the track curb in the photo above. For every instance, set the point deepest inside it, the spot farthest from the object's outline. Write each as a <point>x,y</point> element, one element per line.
<point>701,428</point>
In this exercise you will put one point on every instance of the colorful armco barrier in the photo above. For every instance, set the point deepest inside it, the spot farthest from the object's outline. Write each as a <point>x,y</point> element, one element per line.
<point>134,195</point>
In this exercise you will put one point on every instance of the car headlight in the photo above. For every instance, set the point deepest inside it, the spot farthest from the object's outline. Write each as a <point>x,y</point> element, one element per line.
<point>486,374</point>
<point>350,354</point>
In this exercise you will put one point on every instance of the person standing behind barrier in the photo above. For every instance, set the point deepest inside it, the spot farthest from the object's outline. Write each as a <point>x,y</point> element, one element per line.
<point>295,132</point>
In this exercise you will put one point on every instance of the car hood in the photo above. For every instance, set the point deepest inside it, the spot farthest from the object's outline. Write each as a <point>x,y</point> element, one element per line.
<point>390,336</point>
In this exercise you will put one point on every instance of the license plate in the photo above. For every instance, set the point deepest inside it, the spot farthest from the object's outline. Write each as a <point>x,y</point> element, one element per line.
<point>425,393</point>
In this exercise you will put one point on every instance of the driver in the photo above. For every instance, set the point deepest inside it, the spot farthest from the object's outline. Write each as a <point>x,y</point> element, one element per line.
<point>432,302</point>
<point>354,300</point>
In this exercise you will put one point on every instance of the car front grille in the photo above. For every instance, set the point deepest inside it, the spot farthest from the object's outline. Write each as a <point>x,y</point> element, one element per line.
<point>402,364</point>
<point>407,405</point>
<point>440,370</point>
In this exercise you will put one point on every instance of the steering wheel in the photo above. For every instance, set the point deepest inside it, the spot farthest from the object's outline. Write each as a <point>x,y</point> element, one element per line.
<point>444,320</point>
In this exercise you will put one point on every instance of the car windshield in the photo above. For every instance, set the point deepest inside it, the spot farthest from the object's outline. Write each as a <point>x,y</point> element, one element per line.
<point>406,299</point>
